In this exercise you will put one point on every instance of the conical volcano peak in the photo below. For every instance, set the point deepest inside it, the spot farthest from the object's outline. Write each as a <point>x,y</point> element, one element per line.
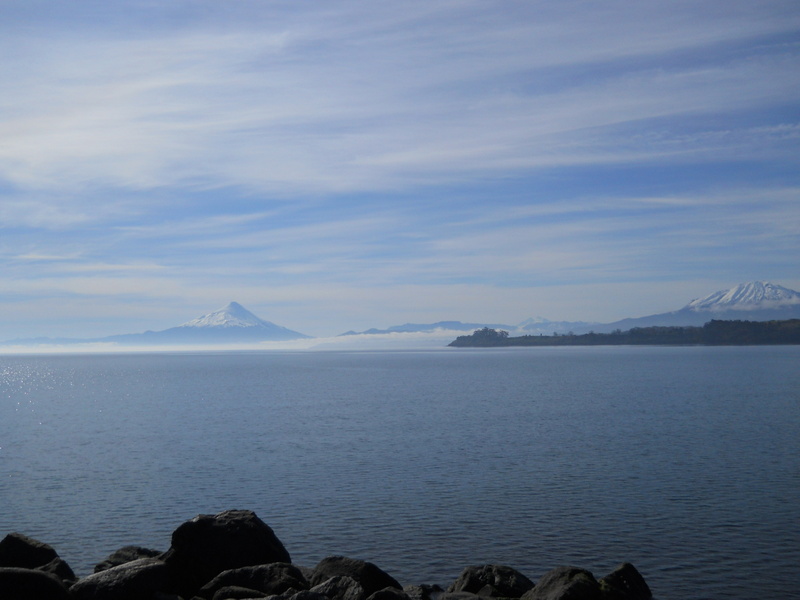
<point>747,296</point>
<point>237,310</point>
<point>231,315</point>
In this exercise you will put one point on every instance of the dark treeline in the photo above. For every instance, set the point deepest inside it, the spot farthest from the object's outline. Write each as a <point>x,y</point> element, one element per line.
<point>713,333</point>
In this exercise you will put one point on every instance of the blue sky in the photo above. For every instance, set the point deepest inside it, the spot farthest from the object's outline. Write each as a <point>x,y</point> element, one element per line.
<point>346,165</point>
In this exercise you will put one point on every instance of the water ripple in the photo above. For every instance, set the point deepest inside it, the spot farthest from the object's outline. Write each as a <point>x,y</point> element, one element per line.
<point>685,462</point>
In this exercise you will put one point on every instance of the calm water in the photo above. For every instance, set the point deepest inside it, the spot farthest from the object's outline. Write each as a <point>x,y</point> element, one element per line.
<point>683,461</point>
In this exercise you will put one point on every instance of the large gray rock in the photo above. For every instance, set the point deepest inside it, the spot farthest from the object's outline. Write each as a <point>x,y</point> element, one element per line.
<point>272,579</point>
<point>207,545</point>
<point>493,581</point>
<point>565,583</point>
<point>369,576</point>
<point>30,584</point>
<point>124,555</point>
<point>625,583</point>
<point>140,579</point>
<point>340,587</point>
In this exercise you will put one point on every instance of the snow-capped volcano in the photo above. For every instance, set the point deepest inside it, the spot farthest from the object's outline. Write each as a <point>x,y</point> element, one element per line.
<point>753,301</point>
<point>231,324</point>
<point>231,315</point>
<point>755,295</point>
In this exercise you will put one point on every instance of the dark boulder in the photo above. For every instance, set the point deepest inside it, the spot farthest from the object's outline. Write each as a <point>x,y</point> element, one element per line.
<point>565,583</point>
<point>625,583</point>
<point>389,593</point>
<point>60,569</point>
<point>30,584</point>
<point>269,580</point>
<point>17,550</point>
<point>235,592</point>
<point>494,581</point>
<point>207,545</point>
<point>369,576</point>
<point>307,572</point>
<point>140,579</point>
<point>340,587</point>
<point>306,595</point>
<point>423,591</point>
<point>295,595</point>
<point>458,596</point>
<point>124,555</point>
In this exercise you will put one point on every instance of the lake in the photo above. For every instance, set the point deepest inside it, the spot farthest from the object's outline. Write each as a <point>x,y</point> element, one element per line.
<point>683,461</point>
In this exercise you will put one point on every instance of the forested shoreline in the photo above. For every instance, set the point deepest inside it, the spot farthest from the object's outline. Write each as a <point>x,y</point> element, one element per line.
<point>713,333</point>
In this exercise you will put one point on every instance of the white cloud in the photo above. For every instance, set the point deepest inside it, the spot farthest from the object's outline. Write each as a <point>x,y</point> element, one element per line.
<point>31,256</point>
<point>112,267</point>
<point>302,158</point>
<point>345,104</point>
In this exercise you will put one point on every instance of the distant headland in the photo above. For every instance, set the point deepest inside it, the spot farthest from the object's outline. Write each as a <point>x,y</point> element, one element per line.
<point>713,333</point>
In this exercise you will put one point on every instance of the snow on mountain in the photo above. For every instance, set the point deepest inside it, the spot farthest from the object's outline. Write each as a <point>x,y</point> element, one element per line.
<point>230,324</point>
<point>753,301</point>
<point>231,315</point>
<point>534,321</point>
<point>755,295</point>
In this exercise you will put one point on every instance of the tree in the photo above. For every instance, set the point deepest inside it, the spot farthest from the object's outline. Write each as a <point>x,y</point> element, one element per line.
<point>490,334</point>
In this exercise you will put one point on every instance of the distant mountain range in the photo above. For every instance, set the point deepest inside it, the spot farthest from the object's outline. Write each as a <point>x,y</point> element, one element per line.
<point>753,301</point>
<point>234,324</point>
<point>527,327</point>
<point>426,328</point>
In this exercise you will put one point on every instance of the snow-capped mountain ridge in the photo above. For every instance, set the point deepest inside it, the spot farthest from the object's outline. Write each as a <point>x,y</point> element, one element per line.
<point>754,295</point>
<point>231,315</point>
<point>752,301</point>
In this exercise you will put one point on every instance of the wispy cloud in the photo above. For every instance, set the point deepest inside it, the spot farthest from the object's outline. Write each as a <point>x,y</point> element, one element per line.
<point>332,105</point>
<point>43,257</point>
<point>411,159</point>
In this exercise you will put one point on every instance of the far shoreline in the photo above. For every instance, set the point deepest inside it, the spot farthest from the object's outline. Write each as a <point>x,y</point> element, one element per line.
<point>713,333</point>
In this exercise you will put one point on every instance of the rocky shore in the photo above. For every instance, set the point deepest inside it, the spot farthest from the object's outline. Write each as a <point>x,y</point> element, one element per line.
<point>234,555</point>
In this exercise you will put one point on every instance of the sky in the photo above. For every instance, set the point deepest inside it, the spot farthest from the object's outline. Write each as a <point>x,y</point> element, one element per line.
<point>344,165</point>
